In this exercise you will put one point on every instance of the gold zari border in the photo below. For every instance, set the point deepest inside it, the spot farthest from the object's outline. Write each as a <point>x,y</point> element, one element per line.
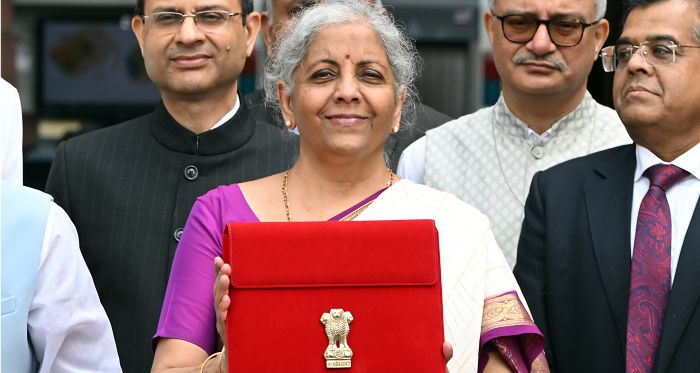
<point>503,311</point>
<point>539,365</point>
<point>352,215</point>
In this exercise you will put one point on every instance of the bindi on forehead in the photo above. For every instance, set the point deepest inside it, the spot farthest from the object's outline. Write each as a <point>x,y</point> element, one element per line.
<point>347,56</point>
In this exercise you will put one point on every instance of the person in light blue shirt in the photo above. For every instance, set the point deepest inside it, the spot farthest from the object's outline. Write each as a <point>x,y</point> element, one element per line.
<point>52,318</point>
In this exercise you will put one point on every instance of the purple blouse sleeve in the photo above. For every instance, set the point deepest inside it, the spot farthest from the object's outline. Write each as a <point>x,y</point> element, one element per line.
<point>188,308</point>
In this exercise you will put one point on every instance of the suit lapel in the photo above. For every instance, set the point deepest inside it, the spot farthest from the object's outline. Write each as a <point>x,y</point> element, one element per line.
<point>609,201</point>
<point>684,294</point>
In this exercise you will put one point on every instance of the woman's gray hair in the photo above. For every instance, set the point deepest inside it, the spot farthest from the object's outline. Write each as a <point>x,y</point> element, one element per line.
<point>600,7</point>
<point>289,51</point>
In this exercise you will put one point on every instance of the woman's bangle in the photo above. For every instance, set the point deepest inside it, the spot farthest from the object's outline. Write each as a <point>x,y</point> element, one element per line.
<point>210,358</point>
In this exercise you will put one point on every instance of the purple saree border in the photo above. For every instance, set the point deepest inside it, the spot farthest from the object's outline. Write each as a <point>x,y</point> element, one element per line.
<point>357,205</point>
<point>520,345</point>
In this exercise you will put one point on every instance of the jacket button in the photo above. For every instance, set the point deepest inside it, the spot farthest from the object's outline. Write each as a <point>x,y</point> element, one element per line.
<point>191,173</point>
<point>537,151</point>
<point>177,234</point>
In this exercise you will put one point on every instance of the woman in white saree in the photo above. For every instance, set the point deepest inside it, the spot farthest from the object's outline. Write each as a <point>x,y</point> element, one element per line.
<point>343,75</point>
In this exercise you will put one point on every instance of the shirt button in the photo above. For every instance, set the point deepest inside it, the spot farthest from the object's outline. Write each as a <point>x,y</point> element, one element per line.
<point>177,234</point>
<point>537,151</point>
<point>191,173</point>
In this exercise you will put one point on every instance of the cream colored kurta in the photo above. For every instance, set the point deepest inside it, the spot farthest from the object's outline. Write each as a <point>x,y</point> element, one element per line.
<point>473,267</point>
<point>488,158</point>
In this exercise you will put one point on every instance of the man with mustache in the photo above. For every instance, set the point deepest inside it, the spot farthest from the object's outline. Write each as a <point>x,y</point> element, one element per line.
<point>543,51</point>
<point>610,248</point>
<point>129,188</point>
<point>274,18</point>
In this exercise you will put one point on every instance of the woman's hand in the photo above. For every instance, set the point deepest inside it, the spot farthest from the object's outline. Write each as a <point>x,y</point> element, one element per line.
<point>447,352</point>
<point>222,301</point>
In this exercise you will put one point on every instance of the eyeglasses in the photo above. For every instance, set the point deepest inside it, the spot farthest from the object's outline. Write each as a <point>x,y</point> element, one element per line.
<point>563,31</point>
<point>654,53</point>
<point>207,20</point>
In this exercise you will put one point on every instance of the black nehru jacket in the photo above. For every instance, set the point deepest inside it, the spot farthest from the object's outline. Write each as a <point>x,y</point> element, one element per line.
<point>427,118</point>
<point>129,189</point>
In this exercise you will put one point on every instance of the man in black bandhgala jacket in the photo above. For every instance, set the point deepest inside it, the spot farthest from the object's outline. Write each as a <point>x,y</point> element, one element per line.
<point>129,188</point>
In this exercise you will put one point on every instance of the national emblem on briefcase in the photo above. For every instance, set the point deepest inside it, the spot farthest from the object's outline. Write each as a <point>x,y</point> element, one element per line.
<point>337,323</point>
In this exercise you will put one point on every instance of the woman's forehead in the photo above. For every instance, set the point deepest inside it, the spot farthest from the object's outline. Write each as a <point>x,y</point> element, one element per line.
<point>353,40</point>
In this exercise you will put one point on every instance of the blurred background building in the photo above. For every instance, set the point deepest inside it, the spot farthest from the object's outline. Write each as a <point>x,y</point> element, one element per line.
<point>77,65</point>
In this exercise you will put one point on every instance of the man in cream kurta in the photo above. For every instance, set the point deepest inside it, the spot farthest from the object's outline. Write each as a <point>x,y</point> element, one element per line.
<point>544,116</point>
<point>491,164</point>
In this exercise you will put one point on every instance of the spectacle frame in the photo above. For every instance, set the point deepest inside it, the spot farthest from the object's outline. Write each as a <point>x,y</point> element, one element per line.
<point>206,20</point>
<point>563,31</point>
<point>653,53</point>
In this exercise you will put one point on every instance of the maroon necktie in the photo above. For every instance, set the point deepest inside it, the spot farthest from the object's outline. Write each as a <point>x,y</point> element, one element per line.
<point>651,269</point>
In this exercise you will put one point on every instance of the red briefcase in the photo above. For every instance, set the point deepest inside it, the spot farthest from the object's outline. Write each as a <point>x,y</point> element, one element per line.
<point>361,296</point>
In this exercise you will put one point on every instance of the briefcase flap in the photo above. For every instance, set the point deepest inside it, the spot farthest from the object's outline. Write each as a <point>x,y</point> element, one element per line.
<point>332,254</point>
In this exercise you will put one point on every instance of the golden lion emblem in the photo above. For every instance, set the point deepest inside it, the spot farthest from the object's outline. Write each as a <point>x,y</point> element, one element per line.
<point>337,323</point>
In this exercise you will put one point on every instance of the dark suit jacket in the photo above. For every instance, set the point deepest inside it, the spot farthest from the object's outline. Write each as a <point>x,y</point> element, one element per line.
<point>573,266</point>
<point>129,189</point>
<point>427,118</point>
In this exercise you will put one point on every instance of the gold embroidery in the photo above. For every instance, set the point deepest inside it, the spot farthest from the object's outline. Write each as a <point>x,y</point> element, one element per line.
<point>356,212</point>
<point>539,365</point>
<point>505,352</point>
<point>503,311</point>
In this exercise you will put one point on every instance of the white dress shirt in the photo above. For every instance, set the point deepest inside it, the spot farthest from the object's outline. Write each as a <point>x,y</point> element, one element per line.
<point>682,197</point>
<point>67,324</point>
<point>10,134</point>
<point>228,115</point>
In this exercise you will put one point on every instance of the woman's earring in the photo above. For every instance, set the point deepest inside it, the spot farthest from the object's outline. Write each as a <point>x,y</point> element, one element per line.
<point>289,125</point>
<point>395,129</point>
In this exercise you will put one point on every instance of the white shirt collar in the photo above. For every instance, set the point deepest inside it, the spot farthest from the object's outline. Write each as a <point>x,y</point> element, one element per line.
<point>228,115</point>
<point>689,161</point>
<point>534,136</point>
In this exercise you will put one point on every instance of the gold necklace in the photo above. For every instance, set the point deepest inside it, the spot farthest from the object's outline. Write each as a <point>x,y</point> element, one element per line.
<point>285,188</point>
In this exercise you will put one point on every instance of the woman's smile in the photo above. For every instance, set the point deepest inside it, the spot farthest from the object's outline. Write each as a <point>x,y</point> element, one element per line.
<point>347,120</point>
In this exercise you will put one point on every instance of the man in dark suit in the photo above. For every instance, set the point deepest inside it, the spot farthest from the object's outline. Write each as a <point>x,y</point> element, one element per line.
<point>609,254</point>
<point>129,188</point>
<point>275,14</point>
